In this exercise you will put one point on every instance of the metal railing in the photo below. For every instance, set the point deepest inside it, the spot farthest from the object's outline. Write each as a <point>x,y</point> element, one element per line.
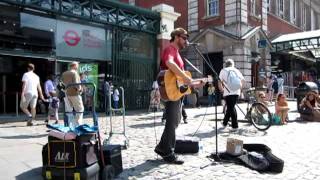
<point>289,91</point>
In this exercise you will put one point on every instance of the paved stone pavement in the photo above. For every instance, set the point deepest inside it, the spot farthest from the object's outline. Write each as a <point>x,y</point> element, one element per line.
<point>296,143</point>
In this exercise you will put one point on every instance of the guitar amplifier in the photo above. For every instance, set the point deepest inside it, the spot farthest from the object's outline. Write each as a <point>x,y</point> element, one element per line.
<point>112,156</point>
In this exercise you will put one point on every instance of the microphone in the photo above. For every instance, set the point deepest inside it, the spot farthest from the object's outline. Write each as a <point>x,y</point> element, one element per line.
<point>192,44</point>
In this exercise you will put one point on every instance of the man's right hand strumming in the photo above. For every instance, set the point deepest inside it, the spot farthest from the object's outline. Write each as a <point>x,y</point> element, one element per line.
<point>187,80</point>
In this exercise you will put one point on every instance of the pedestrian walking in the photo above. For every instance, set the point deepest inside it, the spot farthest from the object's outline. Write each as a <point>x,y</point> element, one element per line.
<point>269,88</point>
<point>280,81</point>
<point>73,99</point>
<point>29,94</point>
<point>106,96</point>
<point>231,83</point>
<point>51,93</point>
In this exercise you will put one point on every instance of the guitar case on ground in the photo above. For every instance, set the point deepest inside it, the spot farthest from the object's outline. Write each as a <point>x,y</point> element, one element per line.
<point>257,157</point>
<point>275,164</point>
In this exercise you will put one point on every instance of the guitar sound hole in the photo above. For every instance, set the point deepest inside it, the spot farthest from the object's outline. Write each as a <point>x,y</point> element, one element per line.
<point>183,89</point>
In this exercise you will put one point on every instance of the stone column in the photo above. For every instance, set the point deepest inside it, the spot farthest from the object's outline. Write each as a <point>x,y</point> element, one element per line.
<point>236,16</point>
<point>264,15</point>
<point>168,17</point>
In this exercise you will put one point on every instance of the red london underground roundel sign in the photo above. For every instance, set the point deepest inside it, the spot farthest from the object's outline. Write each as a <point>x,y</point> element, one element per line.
<point>71,38</point>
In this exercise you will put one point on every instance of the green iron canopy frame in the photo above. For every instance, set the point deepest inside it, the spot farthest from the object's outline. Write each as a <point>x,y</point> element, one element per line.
<point>100,11</point>
<point>299,45</point>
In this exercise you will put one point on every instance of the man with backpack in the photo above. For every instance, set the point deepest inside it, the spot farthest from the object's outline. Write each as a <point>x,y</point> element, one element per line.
<point>231,83</point>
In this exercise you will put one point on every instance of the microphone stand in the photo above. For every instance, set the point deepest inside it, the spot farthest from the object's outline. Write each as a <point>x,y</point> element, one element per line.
<point>215,156</point>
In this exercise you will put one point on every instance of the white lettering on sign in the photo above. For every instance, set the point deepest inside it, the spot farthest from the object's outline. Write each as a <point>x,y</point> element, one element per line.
<point>62,157</point>
<point>86,67</point>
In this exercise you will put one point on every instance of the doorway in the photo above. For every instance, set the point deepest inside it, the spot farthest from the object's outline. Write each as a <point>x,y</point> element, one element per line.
<point>11,72</point>
<point>216,60</point>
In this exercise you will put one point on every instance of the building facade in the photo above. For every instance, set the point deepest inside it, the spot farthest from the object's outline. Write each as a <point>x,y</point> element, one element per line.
<point>113,41</point>
<point>242,30</point>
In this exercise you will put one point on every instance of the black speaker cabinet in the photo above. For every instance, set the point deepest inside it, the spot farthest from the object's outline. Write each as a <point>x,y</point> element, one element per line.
<point>186,146</point>
<point>112,156</point>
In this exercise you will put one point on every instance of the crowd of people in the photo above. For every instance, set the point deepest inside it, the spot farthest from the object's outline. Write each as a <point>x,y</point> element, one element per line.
<point>274,94</point>
<point>231,84</point>
<point>78,99</point>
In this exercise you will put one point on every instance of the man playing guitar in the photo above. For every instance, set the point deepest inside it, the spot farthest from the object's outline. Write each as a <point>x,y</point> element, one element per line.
<point>171,60</point>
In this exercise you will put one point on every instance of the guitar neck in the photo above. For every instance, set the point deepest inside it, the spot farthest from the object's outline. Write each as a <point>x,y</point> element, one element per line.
<point>199,81</point>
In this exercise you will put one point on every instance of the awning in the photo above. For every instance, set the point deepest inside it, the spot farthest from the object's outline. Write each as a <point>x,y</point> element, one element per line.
<point>299,44</point>
<point>21,53</point>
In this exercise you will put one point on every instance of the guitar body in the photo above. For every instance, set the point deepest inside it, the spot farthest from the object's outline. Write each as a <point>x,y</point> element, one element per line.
<point>171,86</point>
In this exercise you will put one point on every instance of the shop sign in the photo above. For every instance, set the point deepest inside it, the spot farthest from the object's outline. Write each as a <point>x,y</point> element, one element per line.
<point>262,43</point>
<point>81,41</point>
<point>90,70</point>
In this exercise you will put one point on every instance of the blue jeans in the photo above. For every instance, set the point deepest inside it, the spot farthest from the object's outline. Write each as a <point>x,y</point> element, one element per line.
<point>115,104</point>
<point>211,99</point>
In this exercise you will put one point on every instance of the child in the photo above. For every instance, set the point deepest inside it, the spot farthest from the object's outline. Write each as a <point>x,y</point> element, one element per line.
<point>116,98</point>
<point>282,108</point>
<point>53,108</point>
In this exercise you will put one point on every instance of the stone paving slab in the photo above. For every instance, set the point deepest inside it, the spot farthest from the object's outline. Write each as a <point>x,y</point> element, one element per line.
<point>296,143</point>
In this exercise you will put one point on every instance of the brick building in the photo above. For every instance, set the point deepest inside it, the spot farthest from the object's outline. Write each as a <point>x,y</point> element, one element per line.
<point>243,30</point>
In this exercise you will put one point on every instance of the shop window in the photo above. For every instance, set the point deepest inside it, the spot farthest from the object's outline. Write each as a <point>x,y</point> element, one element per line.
<point>136,43</point>
<point>293,11</point>
<point>280,8</point>
<point>303,17</point>
<point>213,7</point>
<point>253,7</point>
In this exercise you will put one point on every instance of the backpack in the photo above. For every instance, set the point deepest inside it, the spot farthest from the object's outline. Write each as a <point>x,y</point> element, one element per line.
<point>233,81</point>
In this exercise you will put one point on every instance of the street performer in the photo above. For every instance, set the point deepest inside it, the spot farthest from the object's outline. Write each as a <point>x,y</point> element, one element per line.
<point>171,60</point>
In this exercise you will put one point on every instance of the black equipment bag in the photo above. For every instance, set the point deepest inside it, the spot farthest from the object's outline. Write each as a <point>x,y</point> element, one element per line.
<point>112,156</point>
<point>186,146</point>
<point>89,173</point>
<point>79,153</point>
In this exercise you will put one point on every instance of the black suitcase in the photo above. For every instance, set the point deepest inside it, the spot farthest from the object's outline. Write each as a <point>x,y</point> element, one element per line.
<point>88,173</point>
<point>79,153</point>
<point>112,156</point>
<point>186,146</point>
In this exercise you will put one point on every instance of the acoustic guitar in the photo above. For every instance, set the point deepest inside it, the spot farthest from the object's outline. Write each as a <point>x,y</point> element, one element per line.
<point>172,87</point>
